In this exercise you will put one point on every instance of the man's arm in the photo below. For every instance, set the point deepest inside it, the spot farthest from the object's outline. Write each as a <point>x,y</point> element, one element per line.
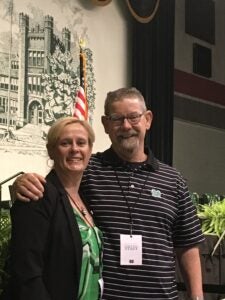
<point>190,266</point>
<point>28,187</point>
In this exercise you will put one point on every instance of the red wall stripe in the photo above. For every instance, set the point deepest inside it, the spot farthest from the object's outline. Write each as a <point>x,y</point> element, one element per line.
<point>195,86</point>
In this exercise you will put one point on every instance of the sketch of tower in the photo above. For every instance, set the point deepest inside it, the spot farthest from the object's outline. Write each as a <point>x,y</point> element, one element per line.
<point>23,63</point>
<point>29,62</point>
<point>66,39</point>
<point>48,40</point>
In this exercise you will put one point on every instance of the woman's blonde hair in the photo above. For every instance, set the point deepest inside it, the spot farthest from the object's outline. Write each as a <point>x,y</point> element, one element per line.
<point>56,130</point>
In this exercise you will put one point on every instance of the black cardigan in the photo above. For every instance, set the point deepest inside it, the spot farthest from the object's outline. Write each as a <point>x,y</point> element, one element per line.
<point>46,247</point>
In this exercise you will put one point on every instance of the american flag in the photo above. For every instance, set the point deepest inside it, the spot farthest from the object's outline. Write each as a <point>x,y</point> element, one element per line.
<point>81,104</point>
<point>81,109</point>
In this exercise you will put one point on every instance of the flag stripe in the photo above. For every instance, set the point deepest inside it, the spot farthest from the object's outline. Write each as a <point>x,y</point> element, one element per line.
<point>80,105</point>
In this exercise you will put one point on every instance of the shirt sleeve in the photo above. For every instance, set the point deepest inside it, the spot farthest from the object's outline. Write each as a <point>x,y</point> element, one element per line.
<point>187,228</point>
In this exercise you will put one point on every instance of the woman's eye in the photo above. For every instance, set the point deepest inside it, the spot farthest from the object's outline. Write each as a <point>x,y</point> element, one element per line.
<point>64,143</point>
<point>67,143</point>
<point>82,143</point>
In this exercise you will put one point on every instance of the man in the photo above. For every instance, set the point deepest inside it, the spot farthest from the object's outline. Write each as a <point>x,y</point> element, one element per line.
<point>142,206</point>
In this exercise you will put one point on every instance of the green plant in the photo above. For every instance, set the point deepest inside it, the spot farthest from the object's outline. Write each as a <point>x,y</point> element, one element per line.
<point>5,232</point>
<point>212,216</point>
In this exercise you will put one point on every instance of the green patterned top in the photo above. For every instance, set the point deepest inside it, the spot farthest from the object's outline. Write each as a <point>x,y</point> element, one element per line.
<point>90,287</point>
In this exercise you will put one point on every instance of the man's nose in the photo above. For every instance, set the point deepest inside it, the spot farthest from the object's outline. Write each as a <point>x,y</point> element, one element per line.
<point>126,123</point>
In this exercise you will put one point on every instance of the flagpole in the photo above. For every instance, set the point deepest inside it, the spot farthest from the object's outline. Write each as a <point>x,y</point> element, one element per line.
<point>83,69</point>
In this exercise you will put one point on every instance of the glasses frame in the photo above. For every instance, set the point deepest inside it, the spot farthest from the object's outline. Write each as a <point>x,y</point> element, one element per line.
<point>120,120</point>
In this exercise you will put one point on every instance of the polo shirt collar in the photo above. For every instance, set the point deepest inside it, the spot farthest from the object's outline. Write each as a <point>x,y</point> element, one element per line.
<point>109,157</point>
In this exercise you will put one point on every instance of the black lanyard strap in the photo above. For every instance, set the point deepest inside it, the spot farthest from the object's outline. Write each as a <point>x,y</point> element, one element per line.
<point>125,196</point>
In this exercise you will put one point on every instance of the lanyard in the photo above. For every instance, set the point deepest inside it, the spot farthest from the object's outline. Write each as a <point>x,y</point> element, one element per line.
<point>125,196</point>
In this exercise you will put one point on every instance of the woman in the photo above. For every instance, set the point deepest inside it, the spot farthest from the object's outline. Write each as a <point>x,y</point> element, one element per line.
<point>56,247</point>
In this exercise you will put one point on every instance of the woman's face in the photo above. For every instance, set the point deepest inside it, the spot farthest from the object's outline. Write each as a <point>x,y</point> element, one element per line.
<point>72,151</point>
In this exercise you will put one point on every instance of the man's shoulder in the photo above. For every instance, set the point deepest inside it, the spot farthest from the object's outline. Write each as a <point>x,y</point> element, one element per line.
<point>99,157</point>
<point>96,157</point>
<point>172,171</point>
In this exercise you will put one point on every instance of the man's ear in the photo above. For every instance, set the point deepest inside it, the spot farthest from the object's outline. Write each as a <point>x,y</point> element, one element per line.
<point>149,118</point>
<point>105,123</point>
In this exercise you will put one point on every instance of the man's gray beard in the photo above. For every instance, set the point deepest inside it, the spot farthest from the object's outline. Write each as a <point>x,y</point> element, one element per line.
<point>129,145</point>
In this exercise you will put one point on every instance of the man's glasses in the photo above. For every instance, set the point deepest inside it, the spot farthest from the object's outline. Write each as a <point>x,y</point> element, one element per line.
<point>133,118</point>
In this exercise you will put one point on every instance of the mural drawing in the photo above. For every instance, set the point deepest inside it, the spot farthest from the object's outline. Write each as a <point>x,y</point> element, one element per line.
<point>40,75</point>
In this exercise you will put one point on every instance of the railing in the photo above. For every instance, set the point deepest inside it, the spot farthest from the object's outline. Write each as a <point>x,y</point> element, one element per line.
<point>6,180</point>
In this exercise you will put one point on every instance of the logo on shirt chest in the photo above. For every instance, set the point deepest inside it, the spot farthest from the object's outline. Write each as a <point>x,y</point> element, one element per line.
<point>156,193</point>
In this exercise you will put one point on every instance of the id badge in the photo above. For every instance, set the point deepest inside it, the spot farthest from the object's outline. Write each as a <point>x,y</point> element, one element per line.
<point>130,249</point>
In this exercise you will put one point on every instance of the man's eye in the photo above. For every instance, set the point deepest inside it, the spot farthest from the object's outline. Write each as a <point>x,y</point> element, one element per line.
<point>133,117</point>
<point>116,118</point>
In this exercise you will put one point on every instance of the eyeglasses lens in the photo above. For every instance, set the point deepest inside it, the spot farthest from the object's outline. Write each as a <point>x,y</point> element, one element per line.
<point>119,119</point>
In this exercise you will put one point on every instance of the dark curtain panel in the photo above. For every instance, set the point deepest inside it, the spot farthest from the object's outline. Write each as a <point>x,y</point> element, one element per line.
<point>153,75</point>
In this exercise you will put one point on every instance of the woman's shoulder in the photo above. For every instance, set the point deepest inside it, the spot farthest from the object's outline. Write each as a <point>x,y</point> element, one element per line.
<point>53,184</point>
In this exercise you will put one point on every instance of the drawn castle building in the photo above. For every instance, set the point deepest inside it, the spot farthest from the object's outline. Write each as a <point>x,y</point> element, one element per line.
<point>21,73</point>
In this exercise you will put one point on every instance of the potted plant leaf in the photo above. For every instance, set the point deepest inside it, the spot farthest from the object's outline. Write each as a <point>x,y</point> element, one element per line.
<point>5,232</point>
